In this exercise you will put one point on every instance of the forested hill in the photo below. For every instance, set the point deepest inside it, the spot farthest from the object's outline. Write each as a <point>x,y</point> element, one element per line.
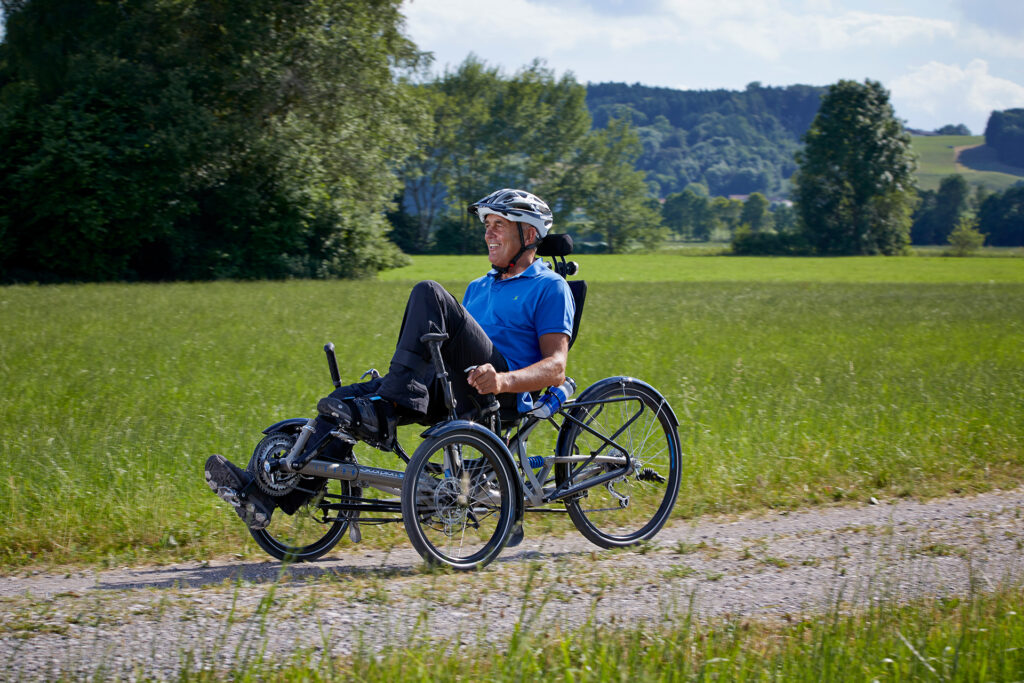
<point>732,142</point>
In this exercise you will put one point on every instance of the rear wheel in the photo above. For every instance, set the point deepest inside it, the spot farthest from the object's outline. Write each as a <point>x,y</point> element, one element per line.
<point>313,529</point>
<point>621,417</point>
<point>458,502</point>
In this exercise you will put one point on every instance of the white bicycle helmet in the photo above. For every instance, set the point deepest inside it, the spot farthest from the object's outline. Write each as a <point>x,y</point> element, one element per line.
<point>516,205</point>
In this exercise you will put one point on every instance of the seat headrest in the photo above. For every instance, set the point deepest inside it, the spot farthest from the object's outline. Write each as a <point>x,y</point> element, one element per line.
<point>555,245</point>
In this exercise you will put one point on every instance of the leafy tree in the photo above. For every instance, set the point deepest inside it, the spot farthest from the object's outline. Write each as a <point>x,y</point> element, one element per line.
<point>1001,217</point>
<point>950,129</point>
<point>784,218</point>
<point>725,215</point>
<point>939,212</point>
<point>189,139</point>
<point>965,238</point>
<point>855,184</point>
<point>611,192</point>
<point>755,213</point>
<point>1004,133</point>
<point>488,131</point>
<point>688,214</point>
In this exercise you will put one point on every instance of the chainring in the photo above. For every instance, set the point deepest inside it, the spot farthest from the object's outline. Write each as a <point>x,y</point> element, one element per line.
<point>274,447</point>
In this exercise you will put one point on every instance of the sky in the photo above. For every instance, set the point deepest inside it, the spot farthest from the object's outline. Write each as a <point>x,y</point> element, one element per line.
<point>943,61</point>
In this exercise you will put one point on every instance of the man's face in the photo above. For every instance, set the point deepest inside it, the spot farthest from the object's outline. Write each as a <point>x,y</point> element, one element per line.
<point>502,238</point>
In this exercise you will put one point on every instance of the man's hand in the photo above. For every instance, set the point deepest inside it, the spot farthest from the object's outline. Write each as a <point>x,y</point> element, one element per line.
<point>485,379</point>
<point>549,371</point>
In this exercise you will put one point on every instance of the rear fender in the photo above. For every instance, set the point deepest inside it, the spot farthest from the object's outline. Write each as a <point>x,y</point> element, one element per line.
<point>561,447</point>
<point>292,424</point>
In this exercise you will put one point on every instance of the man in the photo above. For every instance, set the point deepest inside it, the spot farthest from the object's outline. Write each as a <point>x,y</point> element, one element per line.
<point>510,336</point>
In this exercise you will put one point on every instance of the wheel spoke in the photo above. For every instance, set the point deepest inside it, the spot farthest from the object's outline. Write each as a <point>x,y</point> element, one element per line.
<point>631,507</point>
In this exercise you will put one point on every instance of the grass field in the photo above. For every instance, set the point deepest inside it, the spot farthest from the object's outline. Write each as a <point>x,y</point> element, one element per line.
<point>937,159</point>
<point>796,381</point>
<point>973,639</point>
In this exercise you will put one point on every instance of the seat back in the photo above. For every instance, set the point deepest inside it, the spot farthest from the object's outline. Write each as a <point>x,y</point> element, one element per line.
<point>579,296</point>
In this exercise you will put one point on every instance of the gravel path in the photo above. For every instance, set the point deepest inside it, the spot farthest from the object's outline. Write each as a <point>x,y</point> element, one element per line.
<point>152,621</point>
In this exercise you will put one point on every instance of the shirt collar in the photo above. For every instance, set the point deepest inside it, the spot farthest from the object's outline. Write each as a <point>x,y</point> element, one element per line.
<point>533,270</point>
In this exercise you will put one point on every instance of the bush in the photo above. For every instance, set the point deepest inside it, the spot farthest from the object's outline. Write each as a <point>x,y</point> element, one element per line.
<point>965,238</point>
<point>747,243</point>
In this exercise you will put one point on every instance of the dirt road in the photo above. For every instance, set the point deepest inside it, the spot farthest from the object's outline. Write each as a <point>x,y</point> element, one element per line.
<point>150,620</point>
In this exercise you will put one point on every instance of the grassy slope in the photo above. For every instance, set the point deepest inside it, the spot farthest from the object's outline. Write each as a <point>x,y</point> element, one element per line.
<point>796,382</point>
<point>936,160</point>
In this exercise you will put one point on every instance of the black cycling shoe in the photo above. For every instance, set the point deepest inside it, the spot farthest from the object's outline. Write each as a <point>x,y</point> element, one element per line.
<point>335,409</point>
<point>234,485</point>
<point>369,419</point>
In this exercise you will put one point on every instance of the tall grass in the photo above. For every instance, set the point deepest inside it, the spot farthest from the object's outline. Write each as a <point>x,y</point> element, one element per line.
<point>787,393</point>
<point>979,637</point>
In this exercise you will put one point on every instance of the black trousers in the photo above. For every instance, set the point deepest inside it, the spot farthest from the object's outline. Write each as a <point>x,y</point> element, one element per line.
<point>410,380</point>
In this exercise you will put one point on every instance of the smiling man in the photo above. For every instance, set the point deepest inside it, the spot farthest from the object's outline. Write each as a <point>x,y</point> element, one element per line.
<point>509,336</point>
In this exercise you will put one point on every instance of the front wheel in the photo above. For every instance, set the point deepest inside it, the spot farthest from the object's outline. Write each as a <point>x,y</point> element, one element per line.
<point>457,500</point>
<point>314,527</point>
<point>612,420</point>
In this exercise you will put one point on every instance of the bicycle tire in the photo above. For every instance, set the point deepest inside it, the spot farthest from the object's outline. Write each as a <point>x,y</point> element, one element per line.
<point>312,530</point>
<point>461,519</point>
<point>635,506</point>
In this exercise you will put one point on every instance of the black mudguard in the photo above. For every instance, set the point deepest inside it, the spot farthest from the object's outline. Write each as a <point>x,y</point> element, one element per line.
<point>561,446</point>
<point>292,424</point>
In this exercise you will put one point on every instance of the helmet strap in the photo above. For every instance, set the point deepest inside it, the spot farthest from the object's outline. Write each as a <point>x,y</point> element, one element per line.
<point>523,248</point>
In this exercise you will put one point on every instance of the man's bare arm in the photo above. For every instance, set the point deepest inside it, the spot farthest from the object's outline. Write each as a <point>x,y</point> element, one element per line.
<point>549,371</point>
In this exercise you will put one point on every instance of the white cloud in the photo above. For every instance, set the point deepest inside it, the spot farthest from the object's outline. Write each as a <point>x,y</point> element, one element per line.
<point>519,26</point>
<point>917,47</point>
<point>771,29</point>
<point>765,29</point>
<point>967,94</point>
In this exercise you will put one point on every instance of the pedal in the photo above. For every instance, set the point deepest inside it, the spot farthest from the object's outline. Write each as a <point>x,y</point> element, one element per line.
<point>354,534</point>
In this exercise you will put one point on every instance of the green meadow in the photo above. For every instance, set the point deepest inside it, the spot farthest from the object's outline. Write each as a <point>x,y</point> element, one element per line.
<point>796,382</point>
<point>977,163</point>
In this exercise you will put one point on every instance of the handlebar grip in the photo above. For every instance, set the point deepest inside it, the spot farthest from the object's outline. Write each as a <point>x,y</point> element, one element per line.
<point>332,364</point>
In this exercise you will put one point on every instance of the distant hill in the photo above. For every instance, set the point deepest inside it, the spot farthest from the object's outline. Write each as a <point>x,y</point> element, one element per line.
<point>943,155</point>
<point>732,142</point>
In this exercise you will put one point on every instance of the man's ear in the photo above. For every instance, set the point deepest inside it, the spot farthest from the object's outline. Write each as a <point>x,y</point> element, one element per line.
<point>532,235</point>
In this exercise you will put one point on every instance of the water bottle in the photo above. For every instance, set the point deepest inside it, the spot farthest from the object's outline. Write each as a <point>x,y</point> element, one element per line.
<point>553,399</point>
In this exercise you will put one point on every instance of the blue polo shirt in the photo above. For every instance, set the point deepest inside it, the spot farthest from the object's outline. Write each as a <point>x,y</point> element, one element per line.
<point>516,311</point>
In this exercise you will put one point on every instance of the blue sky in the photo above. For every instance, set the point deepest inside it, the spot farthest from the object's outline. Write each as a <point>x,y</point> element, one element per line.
<point>944,61</point>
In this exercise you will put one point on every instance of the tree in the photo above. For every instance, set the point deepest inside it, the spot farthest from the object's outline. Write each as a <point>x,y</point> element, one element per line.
<point>854,188</point>
<point>688,214</point>
<point>755,213</point>
<point>489,130</point>
<point>1001,217</point>
<point>725,215</point>
<point>939,212</point>
<point>1004,133</point>
<point>965,238</point>
<point>950,129</point>
<point>604,183</point>
<point>189,139</point>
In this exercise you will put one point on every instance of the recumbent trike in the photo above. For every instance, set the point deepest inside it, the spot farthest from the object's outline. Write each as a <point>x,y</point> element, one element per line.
<point>615,469</point>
